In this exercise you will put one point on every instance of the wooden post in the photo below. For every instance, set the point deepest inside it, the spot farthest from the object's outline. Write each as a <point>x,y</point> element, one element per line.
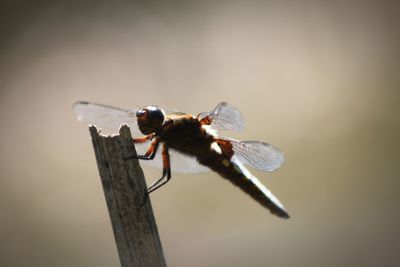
<point>134,226</point>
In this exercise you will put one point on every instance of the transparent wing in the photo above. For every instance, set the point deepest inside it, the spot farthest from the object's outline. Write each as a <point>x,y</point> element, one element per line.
<point>225,117</point>
<point>259,155</point>
<point>112,117</point>
<point>106,116</point>
<point>179,162</point>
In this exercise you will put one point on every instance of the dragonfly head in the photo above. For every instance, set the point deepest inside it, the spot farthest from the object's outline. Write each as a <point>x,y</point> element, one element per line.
<point>150,119</point>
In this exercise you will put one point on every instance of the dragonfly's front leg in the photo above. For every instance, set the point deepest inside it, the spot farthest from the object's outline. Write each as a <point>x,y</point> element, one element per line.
<point>151,151</point>
<point>143,139</point>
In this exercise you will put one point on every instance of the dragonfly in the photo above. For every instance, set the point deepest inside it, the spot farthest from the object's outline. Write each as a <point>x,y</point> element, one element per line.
<point>191,144</point>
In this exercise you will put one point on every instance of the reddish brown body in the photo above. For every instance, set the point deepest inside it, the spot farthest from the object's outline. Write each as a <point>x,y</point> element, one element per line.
<point>185,134</point>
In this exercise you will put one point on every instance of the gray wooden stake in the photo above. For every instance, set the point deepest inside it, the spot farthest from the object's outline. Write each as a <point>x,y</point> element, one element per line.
<point>134,226</point>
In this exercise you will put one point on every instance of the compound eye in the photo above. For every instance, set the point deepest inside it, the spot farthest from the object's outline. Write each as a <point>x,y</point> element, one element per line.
<point>150,119</point>
<point>142,113</point>
<point>156,115</point>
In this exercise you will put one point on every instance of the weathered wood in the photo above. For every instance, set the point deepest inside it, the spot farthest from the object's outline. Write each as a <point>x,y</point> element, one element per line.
<point>134,226</point>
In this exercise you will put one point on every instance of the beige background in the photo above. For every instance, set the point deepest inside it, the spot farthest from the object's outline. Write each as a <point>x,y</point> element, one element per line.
<point>319,80</point>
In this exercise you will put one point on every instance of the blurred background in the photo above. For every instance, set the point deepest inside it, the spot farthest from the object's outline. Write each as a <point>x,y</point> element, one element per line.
<point>319,80</point>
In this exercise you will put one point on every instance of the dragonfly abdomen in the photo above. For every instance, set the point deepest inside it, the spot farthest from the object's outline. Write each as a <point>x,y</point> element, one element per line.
<point>237,174</point>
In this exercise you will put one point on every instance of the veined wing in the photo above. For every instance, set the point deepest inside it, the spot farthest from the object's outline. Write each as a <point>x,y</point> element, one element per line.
<point>224,117</point>
<point>112,117</point>
<point>179,162</point>
<point>259,155</point>
<point>106,116</point>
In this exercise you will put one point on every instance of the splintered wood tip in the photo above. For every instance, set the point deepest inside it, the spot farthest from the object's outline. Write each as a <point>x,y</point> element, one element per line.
<point>124,131</point>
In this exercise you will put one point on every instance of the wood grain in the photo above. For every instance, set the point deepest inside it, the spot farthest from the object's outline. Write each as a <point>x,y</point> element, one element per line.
<point>124,185</point>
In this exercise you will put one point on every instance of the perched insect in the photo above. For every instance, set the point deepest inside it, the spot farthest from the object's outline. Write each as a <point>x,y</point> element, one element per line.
<point>188,140</point>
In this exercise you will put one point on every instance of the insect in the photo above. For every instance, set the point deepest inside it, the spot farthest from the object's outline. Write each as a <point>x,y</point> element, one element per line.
<point>190,144</point>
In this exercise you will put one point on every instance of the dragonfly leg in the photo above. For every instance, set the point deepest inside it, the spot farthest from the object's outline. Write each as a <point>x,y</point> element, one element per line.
<point>157,182</point>
<point>166,171</point>
<point>143,139</point>
<point>150,153</point>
